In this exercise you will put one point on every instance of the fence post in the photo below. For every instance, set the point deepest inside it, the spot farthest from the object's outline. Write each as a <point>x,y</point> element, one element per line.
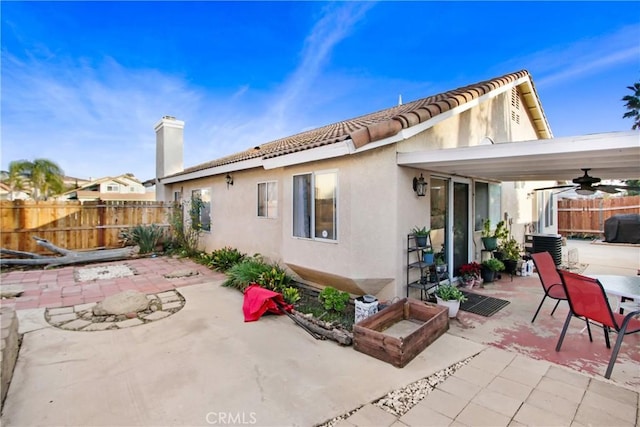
<point>101,223</point>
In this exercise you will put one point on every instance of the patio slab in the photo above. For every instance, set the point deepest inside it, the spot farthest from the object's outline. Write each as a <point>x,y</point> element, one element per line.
<point>201,364</point>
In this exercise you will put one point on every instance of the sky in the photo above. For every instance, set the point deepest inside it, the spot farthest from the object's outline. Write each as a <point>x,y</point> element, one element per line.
<point>84,83</point>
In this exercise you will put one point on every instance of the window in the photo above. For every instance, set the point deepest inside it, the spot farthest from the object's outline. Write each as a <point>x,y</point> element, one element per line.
<point>267,199</point>
<point>200,211</point>
<point>112,188</point>
<point>315,205</point>
<point>487,203</point>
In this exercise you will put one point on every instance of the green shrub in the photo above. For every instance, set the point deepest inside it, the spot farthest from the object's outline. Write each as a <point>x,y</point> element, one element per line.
<point>291,295</point>
<point>184,239</point>
<point>147,237</point>
<point>493,264</point>
<point>225,258</point>
<point>241,275</point>
<point>333,299</point>
<point>275,279</point>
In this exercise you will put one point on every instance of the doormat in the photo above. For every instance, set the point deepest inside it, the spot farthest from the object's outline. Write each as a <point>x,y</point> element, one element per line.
<point>481,304</point>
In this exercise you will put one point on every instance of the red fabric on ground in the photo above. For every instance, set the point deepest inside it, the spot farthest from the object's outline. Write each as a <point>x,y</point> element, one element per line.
<point>258,300</point>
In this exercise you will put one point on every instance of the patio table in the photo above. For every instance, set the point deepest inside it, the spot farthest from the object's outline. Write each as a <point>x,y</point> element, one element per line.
<point>622,287</point>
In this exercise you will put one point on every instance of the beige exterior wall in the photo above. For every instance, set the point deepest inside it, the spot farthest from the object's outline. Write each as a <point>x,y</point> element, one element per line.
<point>377,206</point>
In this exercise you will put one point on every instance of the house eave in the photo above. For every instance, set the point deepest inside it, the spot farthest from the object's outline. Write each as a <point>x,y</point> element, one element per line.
<point>613,155</point>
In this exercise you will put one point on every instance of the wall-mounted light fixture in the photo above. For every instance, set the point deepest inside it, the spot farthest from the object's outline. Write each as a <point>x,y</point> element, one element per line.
<point>420,186</point>
<point>229,179</point>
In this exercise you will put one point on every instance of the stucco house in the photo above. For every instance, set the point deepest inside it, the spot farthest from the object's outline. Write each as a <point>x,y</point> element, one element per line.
<point>335,204</point>
<point>125,187</point>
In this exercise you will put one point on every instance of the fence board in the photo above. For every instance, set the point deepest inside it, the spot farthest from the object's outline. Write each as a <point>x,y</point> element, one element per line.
<point>587,216</point>
<point>74,225</point>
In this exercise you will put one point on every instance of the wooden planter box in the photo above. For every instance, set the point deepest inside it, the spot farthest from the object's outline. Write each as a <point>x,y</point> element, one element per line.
<point>401,331</point>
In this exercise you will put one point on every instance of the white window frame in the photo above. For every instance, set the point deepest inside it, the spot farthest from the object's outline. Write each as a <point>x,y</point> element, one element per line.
<point>269,213</point>
<point>112,188</point>
<point>312,224</point>
<point>493,208</point>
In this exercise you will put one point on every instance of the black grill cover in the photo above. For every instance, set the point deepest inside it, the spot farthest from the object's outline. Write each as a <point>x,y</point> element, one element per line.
<point>622,229</point>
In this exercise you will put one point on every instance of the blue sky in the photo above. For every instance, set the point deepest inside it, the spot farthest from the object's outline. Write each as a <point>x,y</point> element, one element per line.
<point>84,83</point>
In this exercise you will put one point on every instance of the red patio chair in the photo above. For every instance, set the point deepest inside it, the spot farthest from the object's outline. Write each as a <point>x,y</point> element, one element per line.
<point>587,300</point>
<point>550,279</point>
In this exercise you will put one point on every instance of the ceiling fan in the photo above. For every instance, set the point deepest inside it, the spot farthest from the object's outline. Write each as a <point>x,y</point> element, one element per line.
<point>587,185</point>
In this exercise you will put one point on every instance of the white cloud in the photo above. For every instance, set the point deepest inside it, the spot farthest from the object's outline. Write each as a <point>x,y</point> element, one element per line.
<point>584,57</point>
<point>96,119</point>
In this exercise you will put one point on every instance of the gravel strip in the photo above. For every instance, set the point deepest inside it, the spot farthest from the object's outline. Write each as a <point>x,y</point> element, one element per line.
<point>399,402</point>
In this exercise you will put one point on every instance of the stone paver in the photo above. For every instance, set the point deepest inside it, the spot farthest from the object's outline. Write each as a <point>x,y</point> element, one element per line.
<point>99,326</point>
<point>61,310</point>
<point>423,415</point>
<point>157,315</point>
<point>552,403</point>
<point>61,318</point>
<point>76,324</point>
<point>370,415</point>
<point>129,323</point>
<point>476,415</point>
<point>81,307</point>
<point>171,305</point>
<point>445,403</point>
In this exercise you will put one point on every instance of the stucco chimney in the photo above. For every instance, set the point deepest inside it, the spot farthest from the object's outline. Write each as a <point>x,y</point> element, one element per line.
<point>169,151</point>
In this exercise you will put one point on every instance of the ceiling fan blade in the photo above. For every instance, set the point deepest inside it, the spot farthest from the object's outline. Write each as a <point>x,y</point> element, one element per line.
<point>555,187</point>
<point>611,189</point>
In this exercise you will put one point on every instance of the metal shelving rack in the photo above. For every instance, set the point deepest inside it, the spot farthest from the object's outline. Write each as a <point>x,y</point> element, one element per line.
<point>415,263</point>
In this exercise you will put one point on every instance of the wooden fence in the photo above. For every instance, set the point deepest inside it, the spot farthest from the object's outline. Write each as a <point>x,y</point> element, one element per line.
<point>74,225</point>
<point>587,217</point>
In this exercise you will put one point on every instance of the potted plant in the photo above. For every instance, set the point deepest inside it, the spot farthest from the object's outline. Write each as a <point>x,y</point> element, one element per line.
<point>441,266</point>
<point>427,256</point>
<point>490,237</point>
<point>421,234</point>
<point>470,273</point>
<point>450,296</point>
<point>489,269</point>
<point>510,254</point>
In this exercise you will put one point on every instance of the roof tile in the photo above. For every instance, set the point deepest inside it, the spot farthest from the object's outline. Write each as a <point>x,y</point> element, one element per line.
<point>369,127</point>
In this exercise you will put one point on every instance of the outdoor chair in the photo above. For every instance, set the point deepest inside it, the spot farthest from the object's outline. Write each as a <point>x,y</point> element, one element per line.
<point>550,279</point>
<point>587,300</point>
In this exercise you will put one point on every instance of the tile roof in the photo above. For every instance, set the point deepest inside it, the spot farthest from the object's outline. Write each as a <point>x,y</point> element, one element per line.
<point>370,127</point>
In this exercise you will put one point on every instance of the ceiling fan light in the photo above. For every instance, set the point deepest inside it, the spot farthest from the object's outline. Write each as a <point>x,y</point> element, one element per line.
<point>584,191</point>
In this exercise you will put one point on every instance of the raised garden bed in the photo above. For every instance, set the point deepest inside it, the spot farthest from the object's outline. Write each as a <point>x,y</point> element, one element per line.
<point>401,331</point>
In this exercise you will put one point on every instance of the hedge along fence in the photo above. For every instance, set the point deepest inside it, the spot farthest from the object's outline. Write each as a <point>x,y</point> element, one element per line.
<point>587,216</point>
<point>75,225</point>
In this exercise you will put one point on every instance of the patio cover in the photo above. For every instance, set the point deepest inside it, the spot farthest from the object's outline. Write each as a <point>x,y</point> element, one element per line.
<point>614,155</point>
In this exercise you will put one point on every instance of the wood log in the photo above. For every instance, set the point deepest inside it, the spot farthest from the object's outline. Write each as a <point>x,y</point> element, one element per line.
<point>68,256</point>
<point>339,335</point>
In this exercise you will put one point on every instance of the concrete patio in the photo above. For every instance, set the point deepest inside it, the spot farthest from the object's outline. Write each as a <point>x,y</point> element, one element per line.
<point>203,365</point>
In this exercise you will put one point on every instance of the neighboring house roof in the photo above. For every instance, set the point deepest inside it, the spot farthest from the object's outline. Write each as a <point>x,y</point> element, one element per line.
<point>87,189</point>
<point>389,122</point>
<point>124,179</point>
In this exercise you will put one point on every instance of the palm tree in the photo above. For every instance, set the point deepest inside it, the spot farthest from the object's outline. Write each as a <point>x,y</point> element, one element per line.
<point>14,178</point>
<point>633,105</point>
<point>44,175</point>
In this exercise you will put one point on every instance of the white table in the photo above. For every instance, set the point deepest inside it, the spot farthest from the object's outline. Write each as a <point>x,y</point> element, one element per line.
<point>627,287</point>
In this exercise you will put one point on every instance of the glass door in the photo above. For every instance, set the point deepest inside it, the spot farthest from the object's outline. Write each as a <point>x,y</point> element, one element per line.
<point>450,216</point>
<point>439,192</point>
<point>461,226</point>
